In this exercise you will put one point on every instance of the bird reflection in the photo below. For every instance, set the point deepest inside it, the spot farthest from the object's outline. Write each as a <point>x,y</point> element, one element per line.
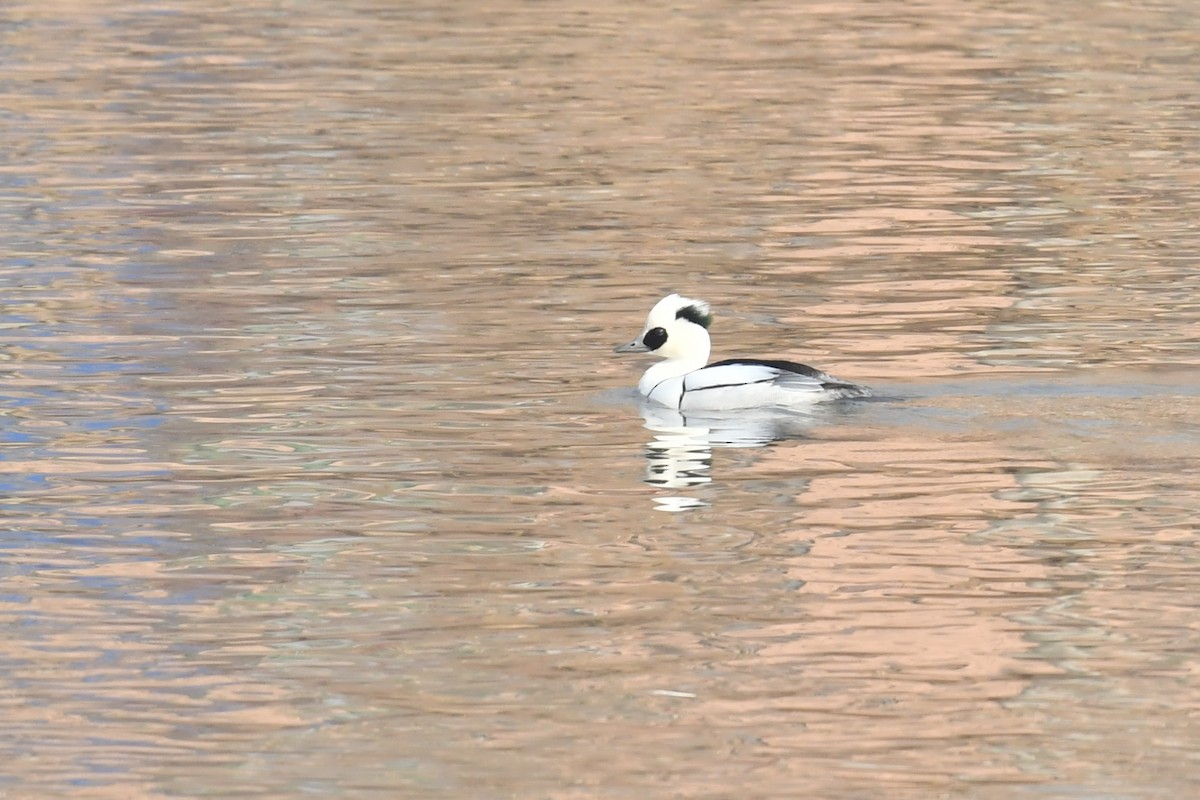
<point>679,456</point>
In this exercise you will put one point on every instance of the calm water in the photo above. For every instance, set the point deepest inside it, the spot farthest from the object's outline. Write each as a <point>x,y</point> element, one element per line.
<point>319,477</point>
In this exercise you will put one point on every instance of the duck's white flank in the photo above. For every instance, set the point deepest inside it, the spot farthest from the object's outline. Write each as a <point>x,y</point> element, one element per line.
<point>676,331</point>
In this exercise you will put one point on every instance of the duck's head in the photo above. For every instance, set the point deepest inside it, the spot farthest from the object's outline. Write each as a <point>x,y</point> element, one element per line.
<point>676,329</point>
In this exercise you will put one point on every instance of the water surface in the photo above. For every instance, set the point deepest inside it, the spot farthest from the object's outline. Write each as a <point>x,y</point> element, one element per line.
<point>319,477</point>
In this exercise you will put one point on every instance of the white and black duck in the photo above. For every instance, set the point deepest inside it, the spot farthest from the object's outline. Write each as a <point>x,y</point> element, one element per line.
<point>677,331</point>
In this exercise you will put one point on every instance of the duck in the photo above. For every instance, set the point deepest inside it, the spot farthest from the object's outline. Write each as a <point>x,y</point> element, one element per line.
<point>676,331</point>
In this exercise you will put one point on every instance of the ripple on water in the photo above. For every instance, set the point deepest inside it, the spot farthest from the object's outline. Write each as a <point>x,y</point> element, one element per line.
<point>317,470</point>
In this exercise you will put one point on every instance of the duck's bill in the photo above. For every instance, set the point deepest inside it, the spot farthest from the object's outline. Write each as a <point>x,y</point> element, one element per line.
<point>635,346</point>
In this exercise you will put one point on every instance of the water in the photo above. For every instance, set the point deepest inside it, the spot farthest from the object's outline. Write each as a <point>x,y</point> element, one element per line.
<point>319,477</point>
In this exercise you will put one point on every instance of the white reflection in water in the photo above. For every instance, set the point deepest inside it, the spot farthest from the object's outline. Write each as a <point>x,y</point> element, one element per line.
<point>679,455</point>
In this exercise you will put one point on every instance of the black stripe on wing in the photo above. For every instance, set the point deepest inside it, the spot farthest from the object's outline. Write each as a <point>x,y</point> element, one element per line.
<point>727,385</point>
<point>826,379</point>
<point>774,363</point>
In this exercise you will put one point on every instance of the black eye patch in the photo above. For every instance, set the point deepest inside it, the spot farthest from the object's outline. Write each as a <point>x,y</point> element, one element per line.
<point>655,338</point>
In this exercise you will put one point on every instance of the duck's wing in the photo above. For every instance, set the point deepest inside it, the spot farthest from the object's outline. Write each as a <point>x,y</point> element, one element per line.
<point>788,375</point>
<point>746,372</point>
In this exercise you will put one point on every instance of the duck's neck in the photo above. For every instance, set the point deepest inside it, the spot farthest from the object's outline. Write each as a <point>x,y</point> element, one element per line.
<point>671,368</point>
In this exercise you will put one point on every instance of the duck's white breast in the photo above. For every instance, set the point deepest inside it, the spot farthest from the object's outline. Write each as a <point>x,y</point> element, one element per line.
<point>667,393</point>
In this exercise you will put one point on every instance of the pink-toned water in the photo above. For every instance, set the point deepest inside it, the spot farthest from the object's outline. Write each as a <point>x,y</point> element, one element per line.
<point>319,479</point>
